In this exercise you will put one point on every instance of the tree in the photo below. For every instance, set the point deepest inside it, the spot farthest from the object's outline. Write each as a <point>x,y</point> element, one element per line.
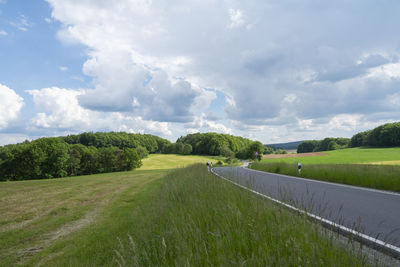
<point>187,149</point>
<point>132,159</point>
<point>268,150</point>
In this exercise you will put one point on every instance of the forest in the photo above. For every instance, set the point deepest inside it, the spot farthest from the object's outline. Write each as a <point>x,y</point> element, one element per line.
<point>222,144</point>
<point>386,135</point>
<point>90,153</point>
<point>86,153</point>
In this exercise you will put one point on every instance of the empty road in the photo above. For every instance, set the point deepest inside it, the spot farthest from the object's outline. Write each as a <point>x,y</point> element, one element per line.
<point>371,212</point>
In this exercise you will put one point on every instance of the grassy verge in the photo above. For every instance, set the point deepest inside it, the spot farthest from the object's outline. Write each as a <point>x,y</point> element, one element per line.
<point>72,220</point>
<point>389,156</point>
<point>197,219</point>
<point>371,176</point>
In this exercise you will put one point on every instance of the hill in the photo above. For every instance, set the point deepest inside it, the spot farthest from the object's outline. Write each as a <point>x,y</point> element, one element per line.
<point>285,146</point>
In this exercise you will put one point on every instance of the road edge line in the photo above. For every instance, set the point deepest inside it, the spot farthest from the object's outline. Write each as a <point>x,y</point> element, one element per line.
<point>369,241</point>
<point>331,183</point>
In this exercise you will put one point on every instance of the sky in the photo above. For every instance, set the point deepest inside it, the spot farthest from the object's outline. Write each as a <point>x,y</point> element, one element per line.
<point>273,71</point>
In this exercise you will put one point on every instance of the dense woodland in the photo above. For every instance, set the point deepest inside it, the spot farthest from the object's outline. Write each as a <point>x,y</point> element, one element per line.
<point>387,135</point>
<point>86,153</point>
<point>90,153</point>
<point>222,144</point>
<point>326,144</point>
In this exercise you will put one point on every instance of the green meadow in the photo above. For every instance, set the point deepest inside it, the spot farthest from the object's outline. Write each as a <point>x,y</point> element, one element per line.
<point>157,216</point>
<point>376,168</point>
<point>348,156</point>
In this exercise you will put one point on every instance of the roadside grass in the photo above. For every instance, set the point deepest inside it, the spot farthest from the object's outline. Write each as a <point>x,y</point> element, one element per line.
<point>46,220</point>
<point>384,177</point>
<point>172,161</point>
<point>187,218</point>
<point>196,219</point>
<point>348,156</point>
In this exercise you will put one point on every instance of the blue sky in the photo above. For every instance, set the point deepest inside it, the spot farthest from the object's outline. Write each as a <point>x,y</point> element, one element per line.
<point>257,68</point>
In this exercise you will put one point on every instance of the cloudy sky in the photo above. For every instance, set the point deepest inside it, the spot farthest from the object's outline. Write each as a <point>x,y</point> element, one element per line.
<point>275,71</point>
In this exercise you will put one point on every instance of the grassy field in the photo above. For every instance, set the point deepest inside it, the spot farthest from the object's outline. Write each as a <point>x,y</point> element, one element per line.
<point>162,161</point>
<point>186,217</point>
<point>39,218</point>
<point>367,167</point>
<point>196,219</point>
<point>390,156</point>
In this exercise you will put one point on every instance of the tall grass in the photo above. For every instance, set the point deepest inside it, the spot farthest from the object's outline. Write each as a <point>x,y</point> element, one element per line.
<point>371,176</point>
<point>196,219</point>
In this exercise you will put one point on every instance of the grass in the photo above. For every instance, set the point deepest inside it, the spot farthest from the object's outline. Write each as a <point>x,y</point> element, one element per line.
<point>39,218</point>
<point>348,156</point>
<point>172,161</point>
<point>175,217</point>
<point>371,176</point>
<point>196,219</point>
<point>376,168</point>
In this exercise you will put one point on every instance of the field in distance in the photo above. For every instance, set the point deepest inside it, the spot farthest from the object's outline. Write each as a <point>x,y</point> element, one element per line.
<point>172,161</point>
<point>389,156</point>
<point>377,168</point>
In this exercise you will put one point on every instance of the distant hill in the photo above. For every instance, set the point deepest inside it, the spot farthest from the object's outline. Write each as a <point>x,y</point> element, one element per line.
<point>285,146</point>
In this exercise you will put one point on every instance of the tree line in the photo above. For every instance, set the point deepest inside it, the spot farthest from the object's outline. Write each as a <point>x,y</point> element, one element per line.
<point>83,154</point>
<point>220,144</point>
<point>326,144</point>
<point>386,135</point>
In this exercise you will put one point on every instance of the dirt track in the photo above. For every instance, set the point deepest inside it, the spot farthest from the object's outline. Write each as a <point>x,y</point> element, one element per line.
<point>301,155</point>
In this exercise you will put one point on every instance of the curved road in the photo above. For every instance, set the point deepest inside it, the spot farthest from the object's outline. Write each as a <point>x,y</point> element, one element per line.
<point>371,212</point>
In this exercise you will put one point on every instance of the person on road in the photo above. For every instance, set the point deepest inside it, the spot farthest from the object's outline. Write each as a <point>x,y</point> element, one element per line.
<point>208,166</point>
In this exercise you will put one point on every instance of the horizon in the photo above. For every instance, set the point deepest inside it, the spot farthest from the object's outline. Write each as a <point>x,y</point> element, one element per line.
<point>273,72</point>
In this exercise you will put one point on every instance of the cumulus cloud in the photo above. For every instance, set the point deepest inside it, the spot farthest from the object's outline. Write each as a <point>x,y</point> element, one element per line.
<point>10,106</point>
<point>4,33</point>
<point>202,124</point>
<point>58,109</point>
<point>277,66</point>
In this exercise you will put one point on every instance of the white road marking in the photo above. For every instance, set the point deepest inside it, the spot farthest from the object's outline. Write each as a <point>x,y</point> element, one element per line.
<point>388,247</point>
<point>331,183</point>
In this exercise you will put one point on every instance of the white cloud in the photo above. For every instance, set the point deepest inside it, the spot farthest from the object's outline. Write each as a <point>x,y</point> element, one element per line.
<point>59,108</point>
<point>63,68</point>
<point>236,18</point>
<point>22,23</point>
<point>6,139</point>
<point>202,124</point>
<point>48,20</point>
<point>10,106</point>
<point>4,33</point>
<point>276,66</point>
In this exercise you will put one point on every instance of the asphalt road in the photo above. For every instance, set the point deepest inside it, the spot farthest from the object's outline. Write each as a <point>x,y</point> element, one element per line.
<point>371,212</point>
